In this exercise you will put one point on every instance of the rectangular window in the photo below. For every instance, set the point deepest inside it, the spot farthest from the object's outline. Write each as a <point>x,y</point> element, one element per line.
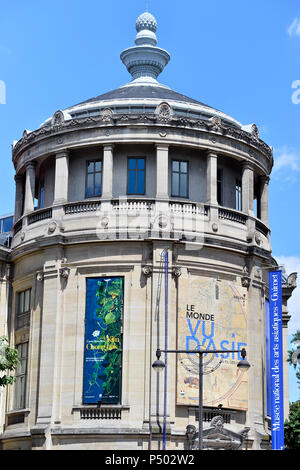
<point>20,375</point>
<point>238,195</point>
<point>179,179</point>
<point>220,186</point>
<point>136,176</point>
<point>23,308</point>
<point>42,195</point>
<point>93,178</point>
<point>7,224</point>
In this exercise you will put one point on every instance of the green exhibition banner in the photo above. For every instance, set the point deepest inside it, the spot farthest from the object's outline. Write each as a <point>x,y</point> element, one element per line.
<point>103,340</point>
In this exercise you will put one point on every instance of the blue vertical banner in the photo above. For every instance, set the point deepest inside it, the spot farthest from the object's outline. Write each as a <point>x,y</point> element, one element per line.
<point>276,360</point>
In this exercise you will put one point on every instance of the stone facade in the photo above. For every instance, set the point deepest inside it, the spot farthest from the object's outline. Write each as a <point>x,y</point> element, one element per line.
<point>210,233</point>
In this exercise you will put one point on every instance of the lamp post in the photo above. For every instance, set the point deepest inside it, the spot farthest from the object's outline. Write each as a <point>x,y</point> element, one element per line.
<point>159,365</point>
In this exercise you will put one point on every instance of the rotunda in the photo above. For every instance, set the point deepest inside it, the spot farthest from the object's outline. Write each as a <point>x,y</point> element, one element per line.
<point>141,222</point>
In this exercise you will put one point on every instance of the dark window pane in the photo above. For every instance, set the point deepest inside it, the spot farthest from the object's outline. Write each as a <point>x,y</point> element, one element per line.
<point>98,166</point>
<point>183,185</point>
<point>131,182</point>
<point>90,185</point>
<point>7,224</point>
<point>90,168</point>
<point>97,191</point>
<point>26,300</point>
<point>21,302</point>
<point>132,164</point>
<point>140,182</point>
<point>141,164</point>
<point>183,167</point>
<point>175,184</point>
<point>175,166</point>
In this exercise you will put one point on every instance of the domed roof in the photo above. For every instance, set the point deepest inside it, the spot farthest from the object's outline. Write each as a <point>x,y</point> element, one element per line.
<point>145,62</point>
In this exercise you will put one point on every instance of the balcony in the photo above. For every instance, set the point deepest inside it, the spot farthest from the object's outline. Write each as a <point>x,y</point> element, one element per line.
<point>140,218</point>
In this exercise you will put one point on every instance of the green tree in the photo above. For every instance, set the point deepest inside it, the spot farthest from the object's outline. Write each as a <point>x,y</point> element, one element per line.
<point>294,355</point>
<point>8,362</point>
<point>292,427</point>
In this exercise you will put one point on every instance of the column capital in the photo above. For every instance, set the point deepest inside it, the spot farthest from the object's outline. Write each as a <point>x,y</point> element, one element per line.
<point>265,179</point>
<point>108,146</point>
<point>18,178</point>
<point>62,153</point>
<point>30,165</point>
<point>211,153</point>
<point>247,165</point>
<point>160,146</point>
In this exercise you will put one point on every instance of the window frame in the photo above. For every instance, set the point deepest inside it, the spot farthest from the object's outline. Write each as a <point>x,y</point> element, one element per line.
<point>96,160</point>
<point>19,399</point>
<point>238,195</point>
<point>21,316</point>
<point>180,173</point>
<point>220,185</point>
<point>136,172</point>
<point>41,203</point>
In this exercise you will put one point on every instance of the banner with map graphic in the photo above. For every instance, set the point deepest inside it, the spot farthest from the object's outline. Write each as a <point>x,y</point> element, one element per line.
<point>103,340</point>
<point>212,315</point>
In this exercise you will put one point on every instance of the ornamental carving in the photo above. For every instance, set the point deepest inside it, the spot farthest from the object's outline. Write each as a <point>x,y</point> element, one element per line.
<point>216,123</point>
<point>255,131</point>
<point>164,111</point>
<point>106,114</point>
<point>147,270</point>
<point>57,118</point>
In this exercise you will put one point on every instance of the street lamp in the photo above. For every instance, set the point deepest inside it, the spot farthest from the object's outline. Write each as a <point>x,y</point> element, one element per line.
<point>159,365</point>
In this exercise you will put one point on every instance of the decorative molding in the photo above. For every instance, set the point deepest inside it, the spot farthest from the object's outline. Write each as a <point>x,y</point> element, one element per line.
<point>147,270</point>
<point>176,272</point>
<point>119,119</point>
<point>40,276</point>
<point>246,280</point>
<point>64,273</point>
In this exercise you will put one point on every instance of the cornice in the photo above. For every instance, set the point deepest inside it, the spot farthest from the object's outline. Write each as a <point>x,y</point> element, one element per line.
<point>216,127</point>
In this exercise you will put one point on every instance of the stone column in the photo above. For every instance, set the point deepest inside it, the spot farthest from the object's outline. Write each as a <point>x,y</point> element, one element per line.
<point>61,177</point>
<point>107,173</point>
<point>29,187</point>
<point>264,200</point>
<point>247,189</point>
<point>18,197</point>
<point>211,179</point>
<point>51,337</point>
<point>162,171</point>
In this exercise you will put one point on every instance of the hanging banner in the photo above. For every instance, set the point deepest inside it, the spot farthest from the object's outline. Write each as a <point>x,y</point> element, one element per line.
<point>103,340</point>
<point>212,314</point>
<point>276,364</point>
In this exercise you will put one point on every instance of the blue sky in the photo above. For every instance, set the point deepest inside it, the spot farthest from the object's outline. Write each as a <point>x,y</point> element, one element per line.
<point>240,57</point>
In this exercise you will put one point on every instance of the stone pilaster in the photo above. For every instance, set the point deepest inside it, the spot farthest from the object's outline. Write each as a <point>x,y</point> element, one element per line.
<point>107,174</point>
<point>61,177</point>
<point>18,197</point>
<point>29,187</point>
<point>264,200</point>
<point>162,171</point>
<point>211,178</point>
<point>247,189</point>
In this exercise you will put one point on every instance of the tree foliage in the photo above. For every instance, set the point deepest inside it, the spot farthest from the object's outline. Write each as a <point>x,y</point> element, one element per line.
<point>294,355</point>
<point>8,362</point>
<point>292,427</point>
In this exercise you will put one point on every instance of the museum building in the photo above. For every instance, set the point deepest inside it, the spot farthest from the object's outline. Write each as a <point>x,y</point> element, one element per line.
<point>141,222</point>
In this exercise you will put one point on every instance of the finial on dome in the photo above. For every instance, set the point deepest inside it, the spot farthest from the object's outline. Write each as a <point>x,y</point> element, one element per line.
<point>145,60</point>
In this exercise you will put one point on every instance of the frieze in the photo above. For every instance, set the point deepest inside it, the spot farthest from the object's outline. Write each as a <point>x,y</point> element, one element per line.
<point>214,126</point>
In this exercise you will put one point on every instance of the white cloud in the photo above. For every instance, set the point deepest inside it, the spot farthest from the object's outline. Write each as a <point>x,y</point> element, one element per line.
<point>294,28</point>
<point>287,163</point>
<point>292,265</point>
